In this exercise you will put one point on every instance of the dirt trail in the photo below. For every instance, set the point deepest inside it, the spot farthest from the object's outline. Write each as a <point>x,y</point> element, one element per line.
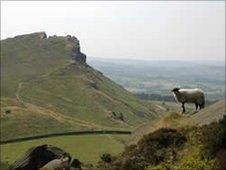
<point>56,115</point>
<point>60,117</point>
<point>18,92</point>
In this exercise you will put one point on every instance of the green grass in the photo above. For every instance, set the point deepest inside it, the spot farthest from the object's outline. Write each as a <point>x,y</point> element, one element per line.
<point>25,121</point>
<point>54,88</point>
<point>177,143</point>
<point>87,148</point>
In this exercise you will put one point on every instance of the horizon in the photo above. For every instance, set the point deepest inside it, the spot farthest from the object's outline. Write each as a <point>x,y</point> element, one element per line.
<point>118,29</point>
<point>148,59</point>
<point>129,58</point>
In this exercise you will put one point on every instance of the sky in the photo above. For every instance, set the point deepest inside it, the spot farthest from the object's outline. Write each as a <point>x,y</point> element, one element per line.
<point>152,30</point>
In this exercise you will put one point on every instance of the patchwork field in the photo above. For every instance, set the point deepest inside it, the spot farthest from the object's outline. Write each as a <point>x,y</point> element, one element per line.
<point>87,148</point>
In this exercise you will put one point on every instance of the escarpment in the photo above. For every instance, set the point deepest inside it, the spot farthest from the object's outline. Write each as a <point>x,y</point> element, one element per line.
<point>49,75</point>
<point>44,42</point>
<point>74,47</point>
<point>76,52</point>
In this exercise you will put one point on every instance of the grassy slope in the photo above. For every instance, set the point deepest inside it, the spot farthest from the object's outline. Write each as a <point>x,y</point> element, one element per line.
<point>27,57</point>
<point>86,148</point>
<point>174,119</point>
<point>28,121</point>
<point>56,92</point>
<point>169,116</point>
<point>211,113</point>
<point>186,145</point>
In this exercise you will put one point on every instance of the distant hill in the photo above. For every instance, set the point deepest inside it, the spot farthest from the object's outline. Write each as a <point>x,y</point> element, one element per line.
<point>47,86</point>
<point>153,79</point>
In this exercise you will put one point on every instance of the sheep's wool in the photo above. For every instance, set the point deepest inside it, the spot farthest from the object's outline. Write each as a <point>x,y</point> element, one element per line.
<point>189,95</point>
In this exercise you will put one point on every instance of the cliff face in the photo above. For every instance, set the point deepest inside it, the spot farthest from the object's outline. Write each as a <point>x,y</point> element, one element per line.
<point>71,43</point>
<point>76,53</point>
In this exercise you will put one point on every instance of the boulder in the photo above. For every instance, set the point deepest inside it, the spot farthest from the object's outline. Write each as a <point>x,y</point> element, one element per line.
<point>36,157</point>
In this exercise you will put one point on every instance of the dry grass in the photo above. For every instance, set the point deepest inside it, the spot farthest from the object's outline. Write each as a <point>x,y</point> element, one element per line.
<point>211,113</point>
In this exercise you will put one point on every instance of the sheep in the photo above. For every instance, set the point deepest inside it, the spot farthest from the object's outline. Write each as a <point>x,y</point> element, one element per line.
<point>195,96</point>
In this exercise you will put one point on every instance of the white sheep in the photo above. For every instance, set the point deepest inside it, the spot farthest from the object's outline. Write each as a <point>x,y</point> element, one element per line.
<point>195,96</point>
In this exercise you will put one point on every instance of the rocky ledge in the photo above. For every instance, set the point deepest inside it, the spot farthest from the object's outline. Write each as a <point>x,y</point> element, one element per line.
<point>71,43</point>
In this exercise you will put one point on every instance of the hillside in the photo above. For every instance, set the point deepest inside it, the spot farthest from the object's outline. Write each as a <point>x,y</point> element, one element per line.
<point>211,113</point>
<point>47,86</point>
<point>148,80</point>
<point>202,147</point>
<point>173,119</point>
<point>176,142</point>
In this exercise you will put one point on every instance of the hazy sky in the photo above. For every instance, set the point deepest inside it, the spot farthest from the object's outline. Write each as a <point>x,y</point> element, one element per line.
<point>136,29</point>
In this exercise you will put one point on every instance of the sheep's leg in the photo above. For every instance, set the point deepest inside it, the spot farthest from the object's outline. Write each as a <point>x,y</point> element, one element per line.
<point>196,107</point>
<point>183,107</point>
<point>200,107</point>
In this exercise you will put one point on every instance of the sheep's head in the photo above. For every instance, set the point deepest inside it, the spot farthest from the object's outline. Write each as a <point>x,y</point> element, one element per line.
<point>176,93</point>
<point>176,89</point>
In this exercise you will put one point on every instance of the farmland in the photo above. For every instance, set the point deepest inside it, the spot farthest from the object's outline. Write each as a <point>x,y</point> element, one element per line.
<point>86,148</point>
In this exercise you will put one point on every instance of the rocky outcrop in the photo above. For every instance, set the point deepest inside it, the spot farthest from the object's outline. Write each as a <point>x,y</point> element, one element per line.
<point>37,35</point>
<point>80,57</point>
<point>76,52</point>
<point>71,42</point>
<point>45,155</point>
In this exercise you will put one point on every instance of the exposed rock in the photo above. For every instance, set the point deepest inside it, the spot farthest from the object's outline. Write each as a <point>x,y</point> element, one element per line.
<point>117,115</point>
<point>80,57</point>
<point>40,35</point>
<point>39,156</point>
<point>43,35</point>
<point>76,53</point>
<point>73,43</point>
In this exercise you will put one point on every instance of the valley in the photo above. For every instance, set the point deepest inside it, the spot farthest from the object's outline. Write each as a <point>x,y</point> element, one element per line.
<point>51,95</point>
<point>153,79</point>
